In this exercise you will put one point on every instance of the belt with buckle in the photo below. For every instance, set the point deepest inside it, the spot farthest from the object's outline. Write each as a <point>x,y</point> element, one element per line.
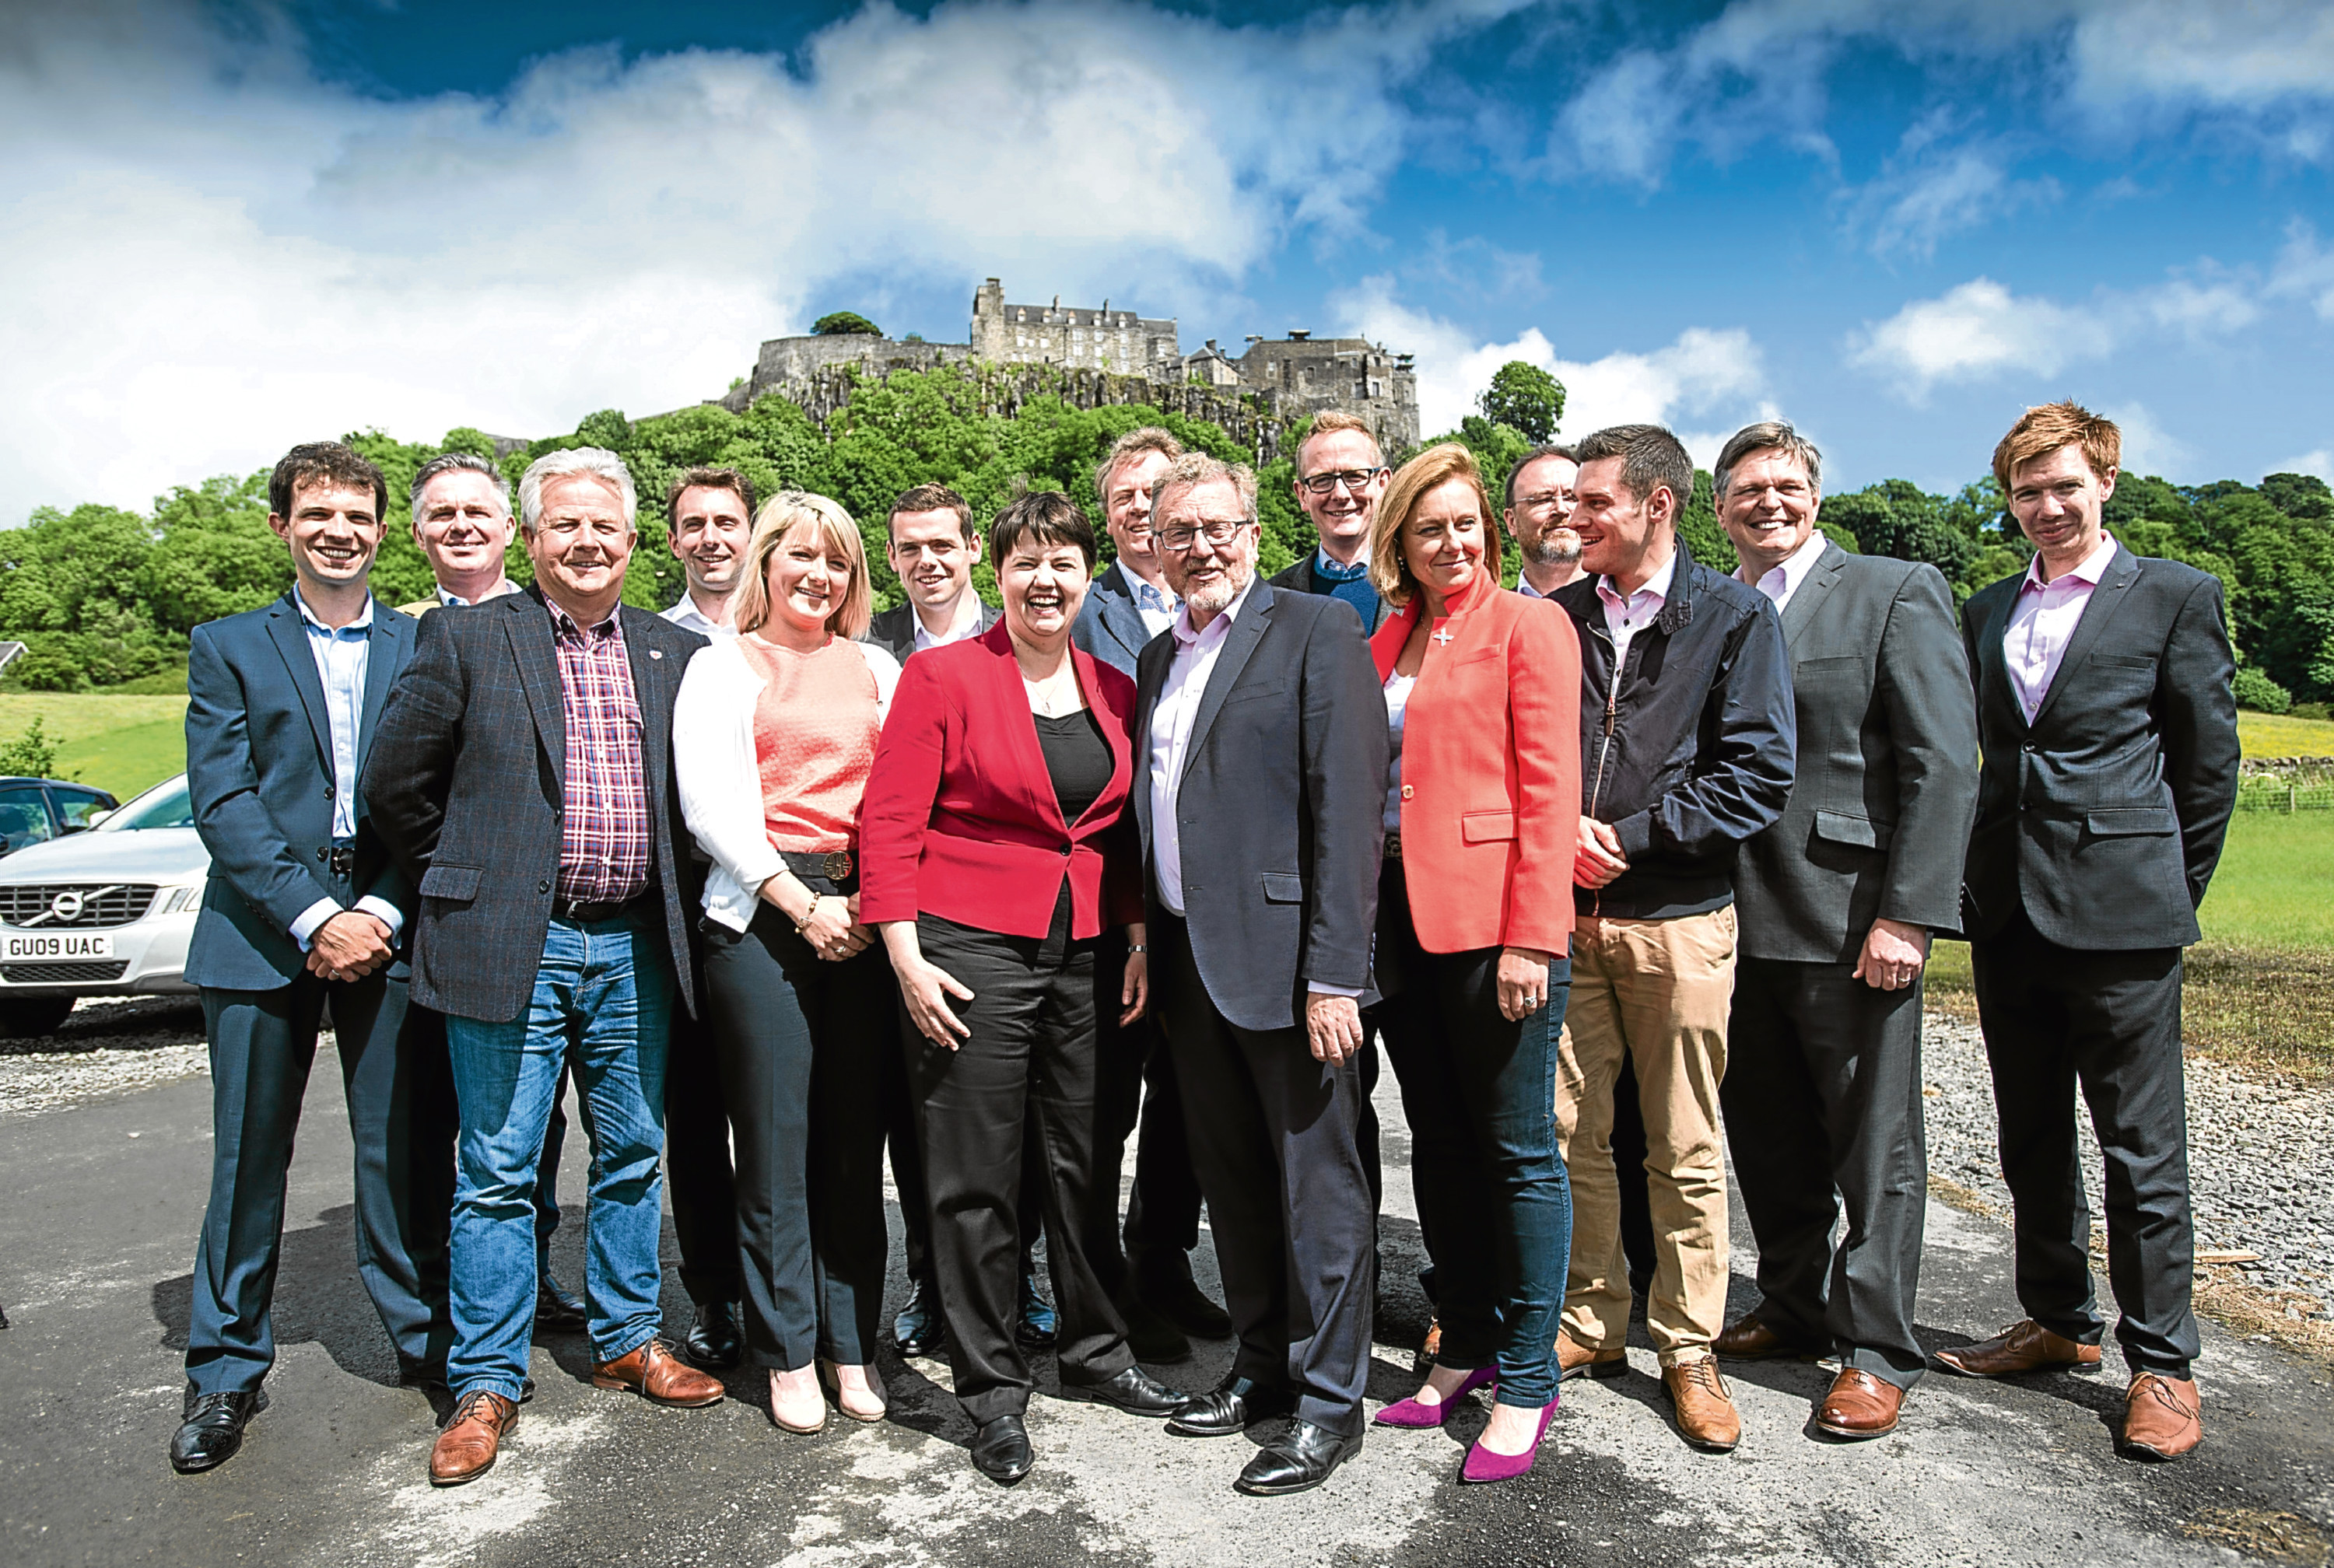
<point>837,866</point>
<point>583,913</point>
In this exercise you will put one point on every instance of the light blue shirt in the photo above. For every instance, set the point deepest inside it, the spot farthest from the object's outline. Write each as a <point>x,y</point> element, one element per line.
<point>1158,611</point>
<point>344,656</point>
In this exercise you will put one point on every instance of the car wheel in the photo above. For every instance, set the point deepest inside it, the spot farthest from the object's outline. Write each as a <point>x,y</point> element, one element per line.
<point>29,1017</point>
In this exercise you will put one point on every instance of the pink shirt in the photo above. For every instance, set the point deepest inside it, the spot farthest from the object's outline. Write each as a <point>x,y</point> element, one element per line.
<point>2042,622</point>
<point>1625,618</point>
<point>814,733</point>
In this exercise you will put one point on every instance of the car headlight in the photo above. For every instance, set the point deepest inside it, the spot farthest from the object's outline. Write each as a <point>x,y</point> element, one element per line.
<point>182,898</point>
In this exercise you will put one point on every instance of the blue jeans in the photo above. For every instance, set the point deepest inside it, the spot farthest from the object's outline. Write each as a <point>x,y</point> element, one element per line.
<point>603,999</point>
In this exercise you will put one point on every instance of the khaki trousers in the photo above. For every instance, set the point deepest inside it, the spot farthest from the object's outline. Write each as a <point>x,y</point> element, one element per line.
<point>1659,991</point>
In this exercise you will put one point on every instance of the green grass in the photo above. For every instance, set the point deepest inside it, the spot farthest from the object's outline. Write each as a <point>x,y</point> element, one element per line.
<point>120,743</point>
<point>2270,734</point>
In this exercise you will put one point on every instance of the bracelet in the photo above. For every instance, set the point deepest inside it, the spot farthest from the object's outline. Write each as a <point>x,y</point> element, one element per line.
<point>1137,947</point>
<point>802,925</point>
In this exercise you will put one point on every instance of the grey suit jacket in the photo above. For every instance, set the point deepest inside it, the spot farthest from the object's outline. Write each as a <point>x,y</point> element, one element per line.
<point>895,630</point>
<point>1109,626</point>
<point>2104,818</point>
<point>1886,786</point>
<point>259,775</point>
<point>467,785</point>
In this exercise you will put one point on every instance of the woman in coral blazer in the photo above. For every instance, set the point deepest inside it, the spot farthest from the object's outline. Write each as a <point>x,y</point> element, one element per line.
<point>1475,937</point>
<point>995,844</point>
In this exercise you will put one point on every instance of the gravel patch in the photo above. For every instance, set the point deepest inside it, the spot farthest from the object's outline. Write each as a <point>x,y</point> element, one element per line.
<point>103,1048</point>
<point>2259,1156</point>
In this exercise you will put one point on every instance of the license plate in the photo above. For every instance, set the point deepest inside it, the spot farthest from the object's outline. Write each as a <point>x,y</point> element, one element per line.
<point>59,945</point>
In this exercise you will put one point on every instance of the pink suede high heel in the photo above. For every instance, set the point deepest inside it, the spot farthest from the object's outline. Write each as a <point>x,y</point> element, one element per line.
<point>1410,1413</point>
<point>1483,1467</point>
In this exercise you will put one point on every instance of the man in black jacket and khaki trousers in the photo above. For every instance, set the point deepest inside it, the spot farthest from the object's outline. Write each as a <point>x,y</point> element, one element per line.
<point>2110,742</point>
<point>1822,1091</point>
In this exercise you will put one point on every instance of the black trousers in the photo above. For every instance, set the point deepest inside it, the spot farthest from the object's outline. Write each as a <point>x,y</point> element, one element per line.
<point>899,1101</point>
<point>1273,1138</point>
<point>2056,1020</point>
<point>1822,1097</point>
<point>801,1043</point>
<point>402,1120</point>
<point>1023,1079</point>
<point>1135,1078</point>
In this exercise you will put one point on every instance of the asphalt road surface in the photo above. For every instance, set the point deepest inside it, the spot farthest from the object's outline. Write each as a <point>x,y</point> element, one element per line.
<point>97,1234</point>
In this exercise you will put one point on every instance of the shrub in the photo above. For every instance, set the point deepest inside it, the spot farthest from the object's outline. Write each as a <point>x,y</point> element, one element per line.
<point>32,754</point>
<point>2257,692</point>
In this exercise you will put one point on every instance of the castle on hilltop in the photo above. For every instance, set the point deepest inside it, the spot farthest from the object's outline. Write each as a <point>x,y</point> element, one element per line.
<point>1294,378</point>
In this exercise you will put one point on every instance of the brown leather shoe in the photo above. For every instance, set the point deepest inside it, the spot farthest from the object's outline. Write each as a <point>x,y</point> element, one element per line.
<point>2025,1346</point>
<point>473,1435</point>
<point>1859,1405</point>
<point>1573,1358</point>
<point>658,1376</point>
<point>1706,1416</point>
<point>1752,1341</point>
<point>2162,1418</point>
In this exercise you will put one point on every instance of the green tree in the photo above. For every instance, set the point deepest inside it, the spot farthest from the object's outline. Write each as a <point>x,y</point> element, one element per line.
<point>837,323</point>
<point>1524,397</point>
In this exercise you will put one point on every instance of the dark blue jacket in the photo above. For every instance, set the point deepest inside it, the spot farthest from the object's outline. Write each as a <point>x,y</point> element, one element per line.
<point>1109,626</point>
<point>259,774</point>
<point>1690,748</point>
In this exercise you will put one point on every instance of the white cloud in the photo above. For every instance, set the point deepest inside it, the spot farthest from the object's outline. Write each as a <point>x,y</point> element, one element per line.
<point>1703,372</point>
<point>2148,448</point>
<point>213,253</point>
<point>2305,270</point>
<point>2238,55</point>
<point>1934,188</point>
<point>2320,462</point>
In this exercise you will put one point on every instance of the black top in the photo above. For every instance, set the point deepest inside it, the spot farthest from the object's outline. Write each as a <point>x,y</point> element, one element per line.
<point>1077,757</point>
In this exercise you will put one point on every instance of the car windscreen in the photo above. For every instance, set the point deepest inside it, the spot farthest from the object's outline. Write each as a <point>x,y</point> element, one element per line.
<point>163,806</point>
<point>25,818</point>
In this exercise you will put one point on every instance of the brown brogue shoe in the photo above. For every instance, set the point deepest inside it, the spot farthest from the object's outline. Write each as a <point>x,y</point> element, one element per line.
<point>652,1372</point>
<point>1859,1405</point>
<point>1752,1341</point>
<point>1573,1359</point>
<point>1706,1416</point>
<point>2162,1418</point>
<point>473,1436</point>
<point>2025,1346</point>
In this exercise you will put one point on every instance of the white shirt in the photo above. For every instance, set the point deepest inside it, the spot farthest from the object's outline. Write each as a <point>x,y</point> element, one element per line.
<point>968,624</point>
<point>1170,734</point>
<point>689,618</point>
<point>719,771</point>
<point>1779,582</point>
<point>344,656</point>
<point>1625,618</point>
<point>1397,700</point>
<point>2042,622</point>
<point>455,600</point>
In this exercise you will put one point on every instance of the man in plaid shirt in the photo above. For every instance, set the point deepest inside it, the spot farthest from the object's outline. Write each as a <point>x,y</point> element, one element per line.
<point>523,776</point>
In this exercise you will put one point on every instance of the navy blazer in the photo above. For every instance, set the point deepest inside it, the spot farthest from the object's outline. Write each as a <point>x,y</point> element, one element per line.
<point>2104,818</point>
<point>468,787</point>
<point>1109,626</point>
<point>1281,809</point>
<point>259,775</point>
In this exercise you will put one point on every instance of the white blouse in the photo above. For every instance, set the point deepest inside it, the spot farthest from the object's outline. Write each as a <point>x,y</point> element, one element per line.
<point>1397,700</point>
<point>720,774</point>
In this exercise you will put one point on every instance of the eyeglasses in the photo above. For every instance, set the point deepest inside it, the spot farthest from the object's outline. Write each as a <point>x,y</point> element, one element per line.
<point>1353,479</point>
<point>1547,503</point>
<point>1180,538</point>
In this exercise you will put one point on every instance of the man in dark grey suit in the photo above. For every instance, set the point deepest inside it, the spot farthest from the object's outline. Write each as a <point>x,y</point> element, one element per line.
<point>1836,902</point>
<point>2110,741</point>
<point>933,548</point>
<point>525,781</point>
<point>304,908</point>
<point>1129,604</point>
<point>1263,736</point>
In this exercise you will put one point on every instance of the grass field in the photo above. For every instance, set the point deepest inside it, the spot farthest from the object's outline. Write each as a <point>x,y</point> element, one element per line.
<point>2268,734</point>
<point>122,744</point>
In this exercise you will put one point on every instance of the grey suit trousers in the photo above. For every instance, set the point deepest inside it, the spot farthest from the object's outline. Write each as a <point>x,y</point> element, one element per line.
<point>1822,1097</point>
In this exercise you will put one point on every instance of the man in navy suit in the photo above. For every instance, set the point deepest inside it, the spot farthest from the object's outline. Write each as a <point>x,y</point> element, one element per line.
<point>1129,604</point>
<point>304,907</point>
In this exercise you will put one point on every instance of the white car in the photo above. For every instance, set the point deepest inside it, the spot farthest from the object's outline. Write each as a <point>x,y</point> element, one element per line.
<point>102,913</point>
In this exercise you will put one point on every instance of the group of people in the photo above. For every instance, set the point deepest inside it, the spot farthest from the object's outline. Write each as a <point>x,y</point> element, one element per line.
<point>1631,854</point>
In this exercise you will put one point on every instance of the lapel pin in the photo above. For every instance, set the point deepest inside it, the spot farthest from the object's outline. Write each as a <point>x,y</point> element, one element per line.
<point>656,653</point>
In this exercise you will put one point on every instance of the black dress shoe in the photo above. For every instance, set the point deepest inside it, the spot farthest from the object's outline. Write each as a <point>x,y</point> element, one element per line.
<point>1164,1280</point>
<point>1151,1337</point>
<point>555,1308</point>
<point>213,1429</point>
<point>1133,1390</point>
<point>1226,1411</point>
<point>920,1330</point>
<point>1000,1450</point>
<point>715,1341</point>
<point>1297,1462</point>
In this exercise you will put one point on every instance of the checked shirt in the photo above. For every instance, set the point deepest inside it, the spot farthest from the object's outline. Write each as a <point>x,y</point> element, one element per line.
<point>604,845</point>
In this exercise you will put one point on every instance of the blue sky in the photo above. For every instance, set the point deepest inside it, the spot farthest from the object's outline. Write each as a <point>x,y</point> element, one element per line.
<point>234,226</point>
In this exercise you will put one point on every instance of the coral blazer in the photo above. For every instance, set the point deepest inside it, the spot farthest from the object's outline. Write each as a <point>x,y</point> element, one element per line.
<point>959,818</point>
<point>1490,770</point>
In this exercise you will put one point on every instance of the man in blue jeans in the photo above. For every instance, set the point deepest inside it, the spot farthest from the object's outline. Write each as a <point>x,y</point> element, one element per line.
<point>525,781</point>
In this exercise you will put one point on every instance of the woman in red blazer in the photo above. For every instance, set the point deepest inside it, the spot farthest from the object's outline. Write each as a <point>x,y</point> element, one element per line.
<point>994,844</point>
<point>1475,938</point>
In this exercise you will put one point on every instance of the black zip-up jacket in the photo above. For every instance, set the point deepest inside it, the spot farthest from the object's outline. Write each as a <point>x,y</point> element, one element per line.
<point>1691,750</point>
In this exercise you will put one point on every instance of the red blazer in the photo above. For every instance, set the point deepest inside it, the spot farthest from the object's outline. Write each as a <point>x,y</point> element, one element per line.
<point>960,819</point>
<point>1490,771</point>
